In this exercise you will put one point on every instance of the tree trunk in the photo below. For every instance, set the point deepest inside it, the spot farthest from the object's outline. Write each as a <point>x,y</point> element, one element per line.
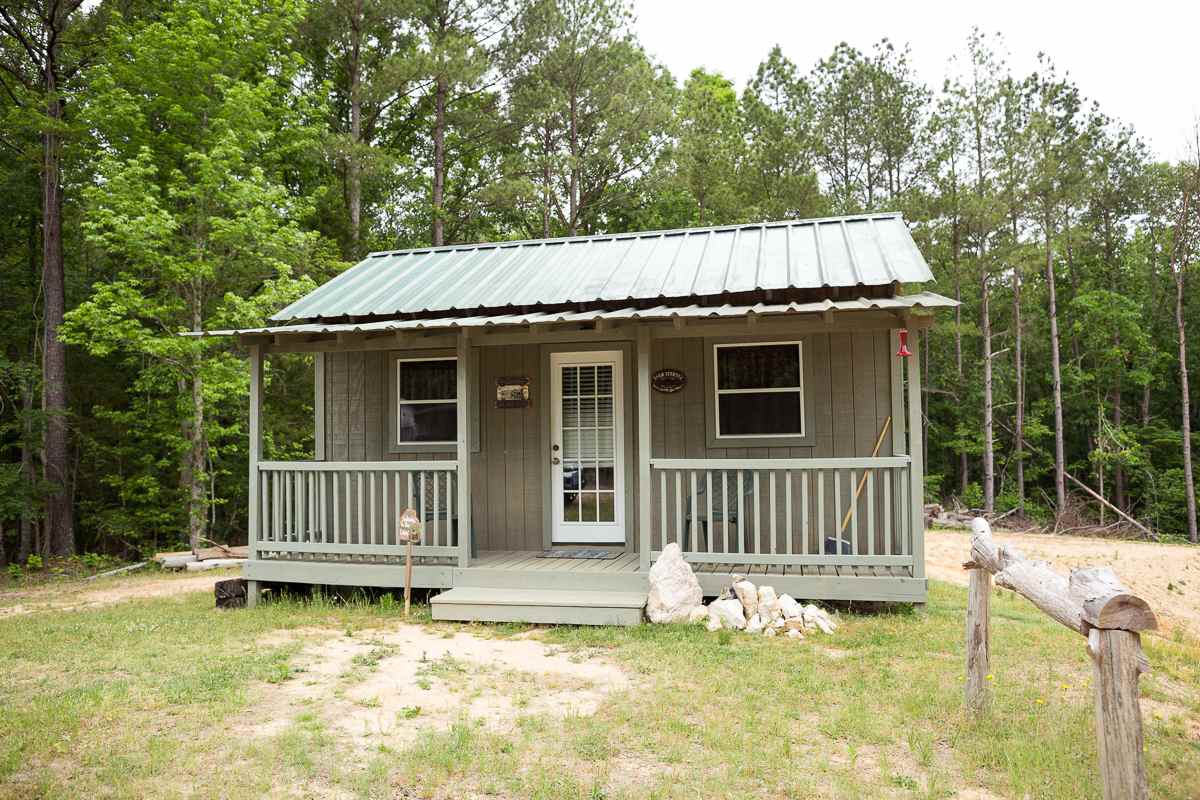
<point>25,544</point>
<point>1185,423</point>
<point>573,187</point>
<point>353,170</point>
<point>547,143</point>
<point>1119,499</point>
<point>60,518</point>
<point>196,468</point>
<point>439,160</point>
<point>989,477</point>
<point>1019,390</point>
<point>196,511</point>
<point>1060,483</point>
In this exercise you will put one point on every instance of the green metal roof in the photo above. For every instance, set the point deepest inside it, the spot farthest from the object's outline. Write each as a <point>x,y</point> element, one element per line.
<point>864,250</point>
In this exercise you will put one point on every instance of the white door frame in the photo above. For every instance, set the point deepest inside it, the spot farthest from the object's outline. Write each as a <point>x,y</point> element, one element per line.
<point>563,532</point>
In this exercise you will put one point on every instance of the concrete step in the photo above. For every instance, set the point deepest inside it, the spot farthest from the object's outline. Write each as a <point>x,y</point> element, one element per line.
<point>544,606</point>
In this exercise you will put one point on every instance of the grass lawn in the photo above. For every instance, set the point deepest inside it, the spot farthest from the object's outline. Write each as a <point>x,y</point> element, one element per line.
<point>150,698</point>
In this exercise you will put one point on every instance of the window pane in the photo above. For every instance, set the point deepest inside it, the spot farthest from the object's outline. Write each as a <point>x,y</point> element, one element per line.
<point>608,507</point>
<point>606,476</point>
<point>587,506</point>
<point>571,506</point>
<point>761,367</point>
<point>772,413</point>
<point>428,422</point>
<point>428,380</point>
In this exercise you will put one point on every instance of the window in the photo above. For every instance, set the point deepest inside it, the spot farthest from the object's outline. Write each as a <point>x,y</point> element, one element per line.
<point>759,390</point>
<point>426,400</point>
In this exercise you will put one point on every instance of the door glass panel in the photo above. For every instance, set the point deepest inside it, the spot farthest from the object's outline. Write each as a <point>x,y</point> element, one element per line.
<point>571,506</point>
<point>607,508</point>
<point>588,444</point>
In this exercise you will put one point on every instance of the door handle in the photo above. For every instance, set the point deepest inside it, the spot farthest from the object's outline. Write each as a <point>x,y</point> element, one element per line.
<point>555,460</point>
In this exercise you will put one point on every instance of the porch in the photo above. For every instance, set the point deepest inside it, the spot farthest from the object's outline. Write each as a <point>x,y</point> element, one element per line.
<point>834,514</point>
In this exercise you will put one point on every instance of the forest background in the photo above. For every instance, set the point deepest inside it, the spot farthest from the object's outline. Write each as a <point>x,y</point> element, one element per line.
<point>173,166</point>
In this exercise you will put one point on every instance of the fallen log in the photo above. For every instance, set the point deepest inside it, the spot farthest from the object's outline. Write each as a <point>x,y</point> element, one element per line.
<point>1090,598</point>
<point>118,571</point>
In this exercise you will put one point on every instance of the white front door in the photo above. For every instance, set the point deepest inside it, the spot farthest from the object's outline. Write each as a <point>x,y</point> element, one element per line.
<point>586,447</point>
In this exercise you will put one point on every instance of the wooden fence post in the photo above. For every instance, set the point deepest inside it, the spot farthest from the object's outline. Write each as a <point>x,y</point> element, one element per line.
<point>1092,602</point>
<point>979,591</point>
<point>1117,663</point>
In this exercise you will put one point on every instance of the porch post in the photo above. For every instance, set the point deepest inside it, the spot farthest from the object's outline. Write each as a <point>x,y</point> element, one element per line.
<point>917,468</point>
<point>643,421</point>
<point>463,448</point>
<point>255,455</point>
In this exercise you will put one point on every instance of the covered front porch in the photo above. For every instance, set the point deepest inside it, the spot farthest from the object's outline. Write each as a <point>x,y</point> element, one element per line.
<point>839,518</point>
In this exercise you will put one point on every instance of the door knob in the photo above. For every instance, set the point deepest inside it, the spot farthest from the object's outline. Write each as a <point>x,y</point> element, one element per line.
<point>555,460</point>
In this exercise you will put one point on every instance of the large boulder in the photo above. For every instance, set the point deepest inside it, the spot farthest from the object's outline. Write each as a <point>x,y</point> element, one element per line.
<point>674,588</point>
<point>728,613</point>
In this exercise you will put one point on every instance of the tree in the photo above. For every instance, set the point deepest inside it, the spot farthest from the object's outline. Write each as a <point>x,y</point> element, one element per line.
<point>607,106</point>
<point>710,146</point>
<point>1055,151</point>
<point>37,56</point>
<point>193,209</point>
<point>1181,256</point>
<point>779,179</point>
<point>365,53</point>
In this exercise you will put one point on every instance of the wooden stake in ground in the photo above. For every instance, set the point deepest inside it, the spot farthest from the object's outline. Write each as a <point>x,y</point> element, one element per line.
<point>979,593</point>
<point>408,531</point>
<point>887,423</point>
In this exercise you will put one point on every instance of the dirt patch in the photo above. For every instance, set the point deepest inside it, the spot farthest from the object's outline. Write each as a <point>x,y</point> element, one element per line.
<point>385,687</point>
<point>1166,575</point>
<point>84,596</point>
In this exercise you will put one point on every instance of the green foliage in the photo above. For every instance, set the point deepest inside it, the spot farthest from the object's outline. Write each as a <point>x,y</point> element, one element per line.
<point>215,151</point>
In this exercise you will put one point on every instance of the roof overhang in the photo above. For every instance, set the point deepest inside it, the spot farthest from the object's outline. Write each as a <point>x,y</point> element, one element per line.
<point>902,306</point>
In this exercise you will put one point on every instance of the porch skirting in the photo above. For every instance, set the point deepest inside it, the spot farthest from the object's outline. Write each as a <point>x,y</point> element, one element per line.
<point>523,570</point>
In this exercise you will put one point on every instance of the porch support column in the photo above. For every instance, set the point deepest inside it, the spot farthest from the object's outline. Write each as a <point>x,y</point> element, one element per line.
<point>915,453</point>
<point>463,448</point>
<point>643,447</point>
<point>254,500</point>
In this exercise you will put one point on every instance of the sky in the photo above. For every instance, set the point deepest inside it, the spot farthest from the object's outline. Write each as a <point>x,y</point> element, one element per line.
<point>1138,60</point>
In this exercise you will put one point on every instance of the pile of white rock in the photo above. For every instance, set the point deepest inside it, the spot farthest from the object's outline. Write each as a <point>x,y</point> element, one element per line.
<point>675,596</point>
<point>757,609</point>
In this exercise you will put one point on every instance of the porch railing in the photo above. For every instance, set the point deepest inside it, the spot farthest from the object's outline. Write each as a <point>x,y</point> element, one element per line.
<point>821,511</point>
<point>331,509</point>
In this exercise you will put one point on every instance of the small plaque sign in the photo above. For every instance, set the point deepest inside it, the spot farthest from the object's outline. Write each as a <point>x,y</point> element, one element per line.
<point>409,529</point>
<point>512,392</point>
<point>668,381</point>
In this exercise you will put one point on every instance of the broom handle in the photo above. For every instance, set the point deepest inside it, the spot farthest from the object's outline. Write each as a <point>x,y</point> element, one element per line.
<point>887,423</point>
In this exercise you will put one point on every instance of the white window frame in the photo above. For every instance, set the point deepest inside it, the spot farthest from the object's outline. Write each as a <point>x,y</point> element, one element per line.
<point>399,364</point>
<point>798,390</point>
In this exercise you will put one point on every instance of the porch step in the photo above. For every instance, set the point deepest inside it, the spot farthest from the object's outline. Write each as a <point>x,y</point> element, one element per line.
<point>545,606</point>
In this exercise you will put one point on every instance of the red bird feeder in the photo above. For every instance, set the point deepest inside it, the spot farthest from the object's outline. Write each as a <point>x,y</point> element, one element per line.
<point>904,352</point>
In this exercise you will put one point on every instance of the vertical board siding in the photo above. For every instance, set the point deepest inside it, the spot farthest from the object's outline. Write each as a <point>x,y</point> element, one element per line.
<point>851,389</point>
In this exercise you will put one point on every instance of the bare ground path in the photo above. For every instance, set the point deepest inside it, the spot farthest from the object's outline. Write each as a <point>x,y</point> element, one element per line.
<point>77,595</point>
<point>1166,575</point>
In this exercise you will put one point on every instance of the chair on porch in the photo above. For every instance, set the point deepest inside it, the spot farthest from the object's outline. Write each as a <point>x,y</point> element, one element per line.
<point>724,507</point>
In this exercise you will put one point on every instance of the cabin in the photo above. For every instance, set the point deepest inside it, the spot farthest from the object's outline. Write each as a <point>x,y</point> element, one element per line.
<point>557,411</point>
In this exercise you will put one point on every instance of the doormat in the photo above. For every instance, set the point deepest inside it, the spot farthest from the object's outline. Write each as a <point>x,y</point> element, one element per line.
<point>598,555</point>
